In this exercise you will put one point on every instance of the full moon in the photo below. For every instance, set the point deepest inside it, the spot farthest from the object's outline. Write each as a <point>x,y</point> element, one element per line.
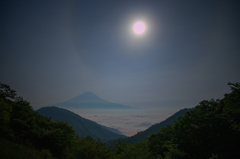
<point>139,27</point>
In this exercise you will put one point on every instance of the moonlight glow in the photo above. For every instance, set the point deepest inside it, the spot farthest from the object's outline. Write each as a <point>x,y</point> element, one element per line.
<point>139,27</point>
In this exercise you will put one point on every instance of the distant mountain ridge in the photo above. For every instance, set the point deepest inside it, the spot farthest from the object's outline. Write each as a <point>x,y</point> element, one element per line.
<point>89,100</point>
<point>83,127</point>
<point>152,129</point>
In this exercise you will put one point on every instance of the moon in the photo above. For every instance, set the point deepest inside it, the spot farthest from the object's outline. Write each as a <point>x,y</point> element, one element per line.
<point>139,27</point>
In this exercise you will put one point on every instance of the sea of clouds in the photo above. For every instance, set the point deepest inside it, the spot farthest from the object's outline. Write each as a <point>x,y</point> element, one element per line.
<point>128,122</point>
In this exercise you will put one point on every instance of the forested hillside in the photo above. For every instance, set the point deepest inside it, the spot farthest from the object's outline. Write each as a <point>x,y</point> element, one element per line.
<point>211,131</point>
<point>21,125</point>
<point>83,127</point>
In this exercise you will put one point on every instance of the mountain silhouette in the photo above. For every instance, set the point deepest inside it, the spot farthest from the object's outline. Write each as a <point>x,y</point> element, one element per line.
<point>89,100</point>
<point>83,127</point>
<point>87,97</point>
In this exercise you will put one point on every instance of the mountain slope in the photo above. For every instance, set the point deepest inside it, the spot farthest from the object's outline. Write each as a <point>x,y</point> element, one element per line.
<point>152,129</point>
<point>89,100</point>
<point>82,126</point>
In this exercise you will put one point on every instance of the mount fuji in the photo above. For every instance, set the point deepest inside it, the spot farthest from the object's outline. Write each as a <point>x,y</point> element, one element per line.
<point>89,100</point>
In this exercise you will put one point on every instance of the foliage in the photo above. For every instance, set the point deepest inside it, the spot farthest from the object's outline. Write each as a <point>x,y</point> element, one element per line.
<point>11,150</point>
<point>20,124</point>
<point>123,150</point>
<point>211,128</point>
<point>158,143</point>
<point>89,148</point>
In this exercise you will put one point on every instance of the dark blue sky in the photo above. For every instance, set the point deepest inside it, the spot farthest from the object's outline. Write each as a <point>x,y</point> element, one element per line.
<point>52,51</point>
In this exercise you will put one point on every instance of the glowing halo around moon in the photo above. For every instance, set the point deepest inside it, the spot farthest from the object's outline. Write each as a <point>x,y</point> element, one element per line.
<point>139,27</point>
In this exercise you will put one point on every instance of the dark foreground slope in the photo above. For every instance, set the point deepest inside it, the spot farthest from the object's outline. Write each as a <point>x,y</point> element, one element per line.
<point>12,150</point>
<point>82,126</point>
<point>153,129</point>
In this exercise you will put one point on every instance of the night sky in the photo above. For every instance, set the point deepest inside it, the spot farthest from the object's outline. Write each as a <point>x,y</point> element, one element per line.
<point>52,51</point>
